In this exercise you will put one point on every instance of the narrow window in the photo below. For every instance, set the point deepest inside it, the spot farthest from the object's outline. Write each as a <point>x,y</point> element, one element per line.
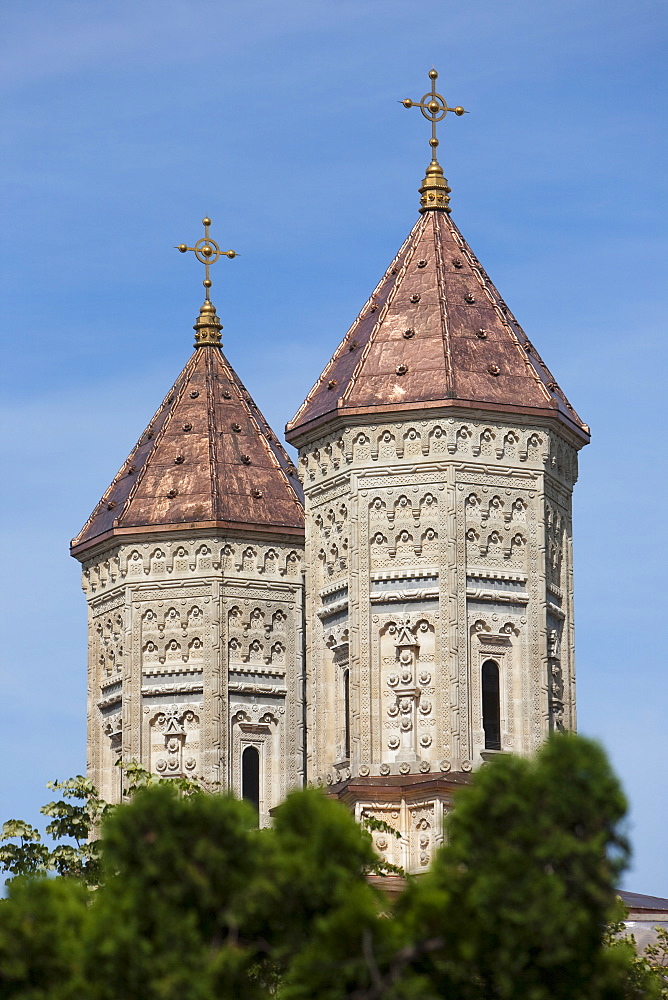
<point>346,714</point>
<point>491,709</point>
<point>250,778</point>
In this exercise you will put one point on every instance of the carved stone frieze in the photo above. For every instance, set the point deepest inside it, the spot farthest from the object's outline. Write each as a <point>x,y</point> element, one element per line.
<point>176,560</point>
<point>387,444</point>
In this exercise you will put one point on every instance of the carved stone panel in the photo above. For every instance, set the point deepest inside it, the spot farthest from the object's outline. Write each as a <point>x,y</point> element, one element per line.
<point>174,734</point>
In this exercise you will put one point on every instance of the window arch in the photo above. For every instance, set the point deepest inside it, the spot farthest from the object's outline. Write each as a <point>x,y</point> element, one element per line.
<point>250,778</point>
<point>491,705</point>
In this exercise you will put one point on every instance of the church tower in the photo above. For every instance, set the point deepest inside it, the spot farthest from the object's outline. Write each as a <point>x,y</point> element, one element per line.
<point>438,457</point>
<point>192,568</point>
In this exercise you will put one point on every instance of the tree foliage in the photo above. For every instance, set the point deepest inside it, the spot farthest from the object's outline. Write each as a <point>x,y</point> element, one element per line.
<point>42,925</point>
<point>656,957</point>
<point>526,884</point>
<point>182,897</point>
<point>76,820</point>
<point>647,973</point>
<point>74,817</point>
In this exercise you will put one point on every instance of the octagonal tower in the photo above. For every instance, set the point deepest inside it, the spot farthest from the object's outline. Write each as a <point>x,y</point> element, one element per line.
<point>192,568</point>
<point>438,457</point>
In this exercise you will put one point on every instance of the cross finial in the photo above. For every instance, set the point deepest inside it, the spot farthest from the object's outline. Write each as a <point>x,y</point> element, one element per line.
<point>208,326</point>
<point>207,252</point>
<point>435,191</point>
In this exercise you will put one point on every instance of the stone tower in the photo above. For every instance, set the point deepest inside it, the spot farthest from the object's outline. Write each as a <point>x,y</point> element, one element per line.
<point>438,457</point>
<point>192,568</point>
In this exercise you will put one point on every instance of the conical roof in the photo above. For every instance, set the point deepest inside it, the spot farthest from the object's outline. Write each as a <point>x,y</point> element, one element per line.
<point>435,333</point>
<point>208,458</point>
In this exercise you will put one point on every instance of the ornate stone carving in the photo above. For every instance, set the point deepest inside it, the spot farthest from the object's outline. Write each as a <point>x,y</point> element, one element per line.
<point>464,500</point>
<point>404,648</point>
<point>175,741</point>
<point>179,637</point>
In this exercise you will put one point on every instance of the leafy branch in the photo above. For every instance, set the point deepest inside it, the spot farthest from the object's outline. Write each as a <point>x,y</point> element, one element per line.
<point>77,816</point>
<point>380,866</point>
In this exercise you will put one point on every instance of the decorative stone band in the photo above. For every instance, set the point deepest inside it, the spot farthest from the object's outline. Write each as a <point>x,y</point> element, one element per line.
<point>244,687</point>
<point>159,690</point>
<point>421,594</point>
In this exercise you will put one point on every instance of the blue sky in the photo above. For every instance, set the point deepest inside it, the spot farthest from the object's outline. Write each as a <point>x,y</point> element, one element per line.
<point>127,121</point>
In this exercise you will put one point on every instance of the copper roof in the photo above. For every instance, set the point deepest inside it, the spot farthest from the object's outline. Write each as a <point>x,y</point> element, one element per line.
<point>207,458</point>
<point>434,333</point>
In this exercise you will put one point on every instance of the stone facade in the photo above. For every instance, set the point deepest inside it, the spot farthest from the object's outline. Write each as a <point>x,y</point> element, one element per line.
<point>195,654</point>
<point>433,546</point>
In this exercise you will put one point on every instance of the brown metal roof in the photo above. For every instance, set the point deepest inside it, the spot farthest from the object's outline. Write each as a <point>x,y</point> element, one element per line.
<point>638,901</point>
<point>434,333</point>
<point>208,458</point>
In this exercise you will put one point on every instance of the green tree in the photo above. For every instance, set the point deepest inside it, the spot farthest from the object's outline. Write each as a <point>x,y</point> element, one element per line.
<point>322,905</point>
<point>645,973</point>
<point>192,902</point>
<point>516,905</point>
<point>224,908</point>
<point>74,817</point>
<point>42,923</point>
<point>27,857</point>
<point>74,829</point>
<point>656,956</point>
<point>171,919</point>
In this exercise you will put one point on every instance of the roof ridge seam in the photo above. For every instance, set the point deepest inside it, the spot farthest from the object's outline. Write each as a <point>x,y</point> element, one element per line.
<point>489,289</point>
<point>213,443</point>
<point>443,309</point>
<point>514,327</point>
<point>495,298</point>
<point>399,277</point>
<point>269,449</point>
<point>258,419</point>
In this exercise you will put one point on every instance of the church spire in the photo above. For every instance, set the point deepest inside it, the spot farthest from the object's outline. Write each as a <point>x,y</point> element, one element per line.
<point>208,458</point>
<point>435,190</point>
<point>435,333</point>
<point>208,326</point>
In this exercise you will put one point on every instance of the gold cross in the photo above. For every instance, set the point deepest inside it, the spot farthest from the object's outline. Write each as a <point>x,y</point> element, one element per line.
<point>207,252</point>
<point>434,107</point>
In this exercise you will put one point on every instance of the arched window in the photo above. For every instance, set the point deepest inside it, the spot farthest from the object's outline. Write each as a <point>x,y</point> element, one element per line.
<point>491,707</point>
<point>250,778</point>
<point>346,714</point>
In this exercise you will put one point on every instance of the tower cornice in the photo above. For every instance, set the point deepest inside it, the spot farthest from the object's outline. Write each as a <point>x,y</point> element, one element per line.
<point>329,423</point>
